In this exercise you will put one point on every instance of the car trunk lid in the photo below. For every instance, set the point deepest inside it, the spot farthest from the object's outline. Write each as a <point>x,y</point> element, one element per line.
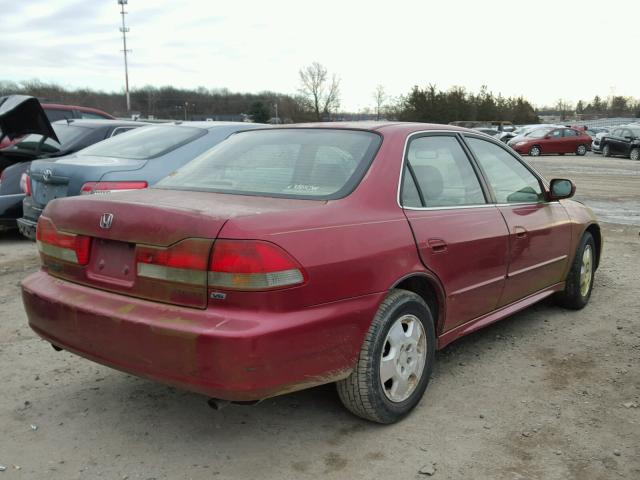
<point>152,244</point>
<point>66,176</point>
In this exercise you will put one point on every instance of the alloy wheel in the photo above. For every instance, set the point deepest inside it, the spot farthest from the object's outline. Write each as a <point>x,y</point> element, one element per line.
<point>534,152</point>
<point>635,154</point>
<point>403,358</point>
<point>581,150</point>
<point>585,270</point>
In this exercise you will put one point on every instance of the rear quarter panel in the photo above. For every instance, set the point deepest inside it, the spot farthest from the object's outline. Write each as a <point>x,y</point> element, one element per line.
<point>349,247</point>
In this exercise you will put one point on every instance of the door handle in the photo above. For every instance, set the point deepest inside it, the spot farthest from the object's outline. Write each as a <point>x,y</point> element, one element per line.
<point>520,232</point>
<point>437,245</point>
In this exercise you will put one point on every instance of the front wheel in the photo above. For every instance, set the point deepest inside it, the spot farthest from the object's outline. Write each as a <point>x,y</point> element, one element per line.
<point>535,151</point>
<point>395,362</point>
<point>635,154</point>
<point>606,151</point>
<point>581,150</point>
<point>579,282</point>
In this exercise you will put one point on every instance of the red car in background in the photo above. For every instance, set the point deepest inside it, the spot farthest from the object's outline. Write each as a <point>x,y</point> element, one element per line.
<point>291,257</point>
<point>555,141</point>
<point>56,111</point>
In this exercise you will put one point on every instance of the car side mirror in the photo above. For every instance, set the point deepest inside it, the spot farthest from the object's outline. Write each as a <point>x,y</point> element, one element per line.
<point>547,136</point>
<point>561,188</point>
<point>628,138</point>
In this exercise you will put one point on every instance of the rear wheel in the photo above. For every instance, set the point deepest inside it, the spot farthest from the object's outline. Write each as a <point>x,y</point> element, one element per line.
<point>606,151</point>
<point>579,282</point>
<point>581,150</point>
<point>395,362</point>
<point>635,154</point>
<point>535,151</point>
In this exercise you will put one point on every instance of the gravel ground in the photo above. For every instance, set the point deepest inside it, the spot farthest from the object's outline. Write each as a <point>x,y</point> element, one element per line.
<point>546,394</point>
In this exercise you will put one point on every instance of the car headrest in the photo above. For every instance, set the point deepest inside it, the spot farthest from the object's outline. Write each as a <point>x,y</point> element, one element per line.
<point>430,179</point>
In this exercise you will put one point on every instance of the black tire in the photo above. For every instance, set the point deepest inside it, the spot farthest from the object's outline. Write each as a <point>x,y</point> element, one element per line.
<point>535,151</point>
<point>581,150</point>
<point>606,151</point>
<point>363,392</point>
<point>634,154</point>
<point>573,296</point>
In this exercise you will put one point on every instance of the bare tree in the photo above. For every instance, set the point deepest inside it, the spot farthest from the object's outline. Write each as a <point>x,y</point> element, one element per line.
<point>380,97</point>
<point>564,108</point>
<point>322,93</point>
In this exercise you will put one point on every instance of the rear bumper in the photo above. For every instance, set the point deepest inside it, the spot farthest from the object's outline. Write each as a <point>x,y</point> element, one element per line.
<point>234,355</point>
<point>27,228</point>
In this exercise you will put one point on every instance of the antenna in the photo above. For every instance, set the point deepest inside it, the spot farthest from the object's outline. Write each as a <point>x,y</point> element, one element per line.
<point>124,29</point>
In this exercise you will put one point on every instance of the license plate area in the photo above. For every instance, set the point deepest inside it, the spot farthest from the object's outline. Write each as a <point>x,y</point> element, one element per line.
<point>45,192</point>
<point>112,262</point>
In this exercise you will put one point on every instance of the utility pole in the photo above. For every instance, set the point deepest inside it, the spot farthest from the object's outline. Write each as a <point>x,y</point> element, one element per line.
<point>276,105</point>
<point>124,29</point>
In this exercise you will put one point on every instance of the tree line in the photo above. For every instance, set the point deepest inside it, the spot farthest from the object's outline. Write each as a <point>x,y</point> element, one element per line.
<point>433,105</point>
<point>614,106</point>
<point>318,99</point>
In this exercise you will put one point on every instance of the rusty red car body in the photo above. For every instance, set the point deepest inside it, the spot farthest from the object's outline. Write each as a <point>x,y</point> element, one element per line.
<point>473,266</point>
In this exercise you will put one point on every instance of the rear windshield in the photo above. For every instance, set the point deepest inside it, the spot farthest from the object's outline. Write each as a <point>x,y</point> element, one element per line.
<point>65,133</point>
<point>145,142</point>
<point>296,163</point>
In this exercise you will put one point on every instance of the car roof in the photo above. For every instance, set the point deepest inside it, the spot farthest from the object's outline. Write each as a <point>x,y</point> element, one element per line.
<point>381,127</point>
<point>96,123</point>
<point>60,106</point>
<point>212,125</point>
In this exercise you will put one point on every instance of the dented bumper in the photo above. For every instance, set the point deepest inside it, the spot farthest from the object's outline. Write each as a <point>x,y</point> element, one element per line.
<point>232,355</point>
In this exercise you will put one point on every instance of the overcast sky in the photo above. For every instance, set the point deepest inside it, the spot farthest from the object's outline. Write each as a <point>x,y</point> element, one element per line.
<point>544,50</point>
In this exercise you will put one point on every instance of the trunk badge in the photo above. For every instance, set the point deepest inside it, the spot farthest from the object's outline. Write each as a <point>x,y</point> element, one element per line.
<point>46,175</point>
<point>106,220</point>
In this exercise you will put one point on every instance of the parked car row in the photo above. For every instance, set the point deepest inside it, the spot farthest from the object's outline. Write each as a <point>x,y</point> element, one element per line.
<point>66,167</point>
<point>32,136</point>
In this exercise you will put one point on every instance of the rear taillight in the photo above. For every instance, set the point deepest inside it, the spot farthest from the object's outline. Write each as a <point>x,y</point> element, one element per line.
<point>68,247</point>
<point>25,184</point>
<point>252,265</point>
<point>184,262</point>
<point>108,187</point>
<point>232,265</point>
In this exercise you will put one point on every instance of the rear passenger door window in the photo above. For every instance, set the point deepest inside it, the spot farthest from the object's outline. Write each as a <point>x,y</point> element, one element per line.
<point>509,179</point>
<point>438,174</point>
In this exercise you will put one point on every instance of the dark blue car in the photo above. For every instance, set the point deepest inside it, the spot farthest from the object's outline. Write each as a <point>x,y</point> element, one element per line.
<point>133,160</point>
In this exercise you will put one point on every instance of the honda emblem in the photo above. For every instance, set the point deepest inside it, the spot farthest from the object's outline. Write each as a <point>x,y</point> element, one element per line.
<point>106,220</point>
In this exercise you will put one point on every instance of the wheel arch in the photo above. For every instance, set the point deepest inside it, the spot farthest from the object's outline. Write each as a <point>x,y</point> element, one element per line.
<point>430,290</point>
<point>594,230</point>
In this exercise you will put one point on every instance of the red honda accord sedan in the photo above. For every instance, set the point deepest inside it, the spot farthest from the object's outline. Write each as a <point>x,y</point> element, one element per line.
<point>557,140</point>
<point>291,257</point>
